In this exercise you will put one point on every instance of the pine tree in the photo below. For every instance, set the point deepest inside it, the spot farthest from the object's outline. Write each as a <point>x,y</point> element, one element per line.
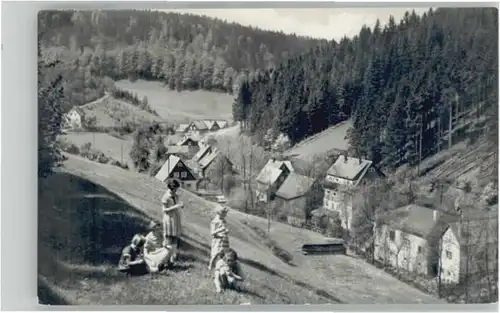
<point>50,103</point>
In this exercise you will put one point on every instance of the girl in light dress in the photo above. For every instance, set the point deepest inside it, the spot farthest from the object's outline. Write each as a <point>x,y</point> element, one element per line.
<point>172,230</point>
<point>156,256</point>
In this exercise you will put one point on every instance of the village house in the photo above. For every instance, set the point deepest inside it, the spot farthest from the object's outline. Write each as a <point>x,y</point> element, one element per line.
<point>408,238</point>
<point>270,178</point>
<point>197,128</point>
<point>182,128</point>
<point>75,118</point>
<point>175,168</point>
<point>187,147</point>
<point>291,198</point>
<point>211,125</point>
<point>222,124</point>
<point>469,248</point>
<point>341,178</point>
<point>214,161</point>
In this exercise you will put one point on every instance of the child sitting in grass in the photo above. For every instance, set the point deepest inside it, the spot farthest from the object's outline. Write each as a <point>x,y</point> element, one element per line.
<point>156,256</point>
<point>132,258</point>
<point>227,270</point>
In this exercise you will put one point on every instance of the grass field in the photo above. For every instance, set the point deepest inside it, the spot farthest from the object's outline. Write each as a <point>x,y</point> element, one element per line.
<point>89,211</point>
<point>331,138</point>
<point>113,147</point>
<point>181,106</point>
<point>111,112</point>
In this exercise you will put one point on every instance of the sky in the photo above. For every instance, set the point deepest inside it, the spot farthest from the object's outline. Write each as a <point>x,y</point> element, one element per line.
<point>333,23</point>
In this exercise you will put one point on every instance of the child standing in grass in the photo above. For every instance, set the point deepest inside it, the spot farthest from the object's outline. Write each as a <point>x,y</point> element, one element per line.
<point>219,232</point>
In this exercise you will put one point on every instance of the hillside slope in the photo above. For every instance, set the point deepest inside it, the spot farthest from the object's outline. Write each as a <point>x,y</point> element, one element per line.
<point>111,112</point>
<point>331,138</point>
<point>348,280</point>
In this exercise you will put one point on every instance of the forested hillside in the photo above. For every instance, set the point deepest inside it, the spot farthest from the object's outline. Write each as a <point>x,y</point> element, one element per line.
<point>184,51</point>
<point>404,86</point>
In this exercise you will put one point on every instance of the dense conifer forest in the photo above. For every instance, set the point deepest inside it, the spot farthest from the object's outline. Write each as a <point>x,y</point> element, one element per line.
<point>183,51</point>
<point>404,86</point>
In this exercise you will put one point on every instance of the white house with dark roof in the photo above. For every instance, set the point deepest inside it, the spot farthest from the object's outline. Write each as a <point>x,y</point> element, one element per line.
<point>408,238</point>
<point>344,175</point>
<point>270,178</point>
<point>74,118</point>
<point>175,168</point>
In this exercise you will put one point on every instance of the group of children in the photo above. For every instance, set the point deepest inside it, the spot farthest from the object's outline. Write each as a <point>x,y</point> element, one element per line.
<point>146,254</point>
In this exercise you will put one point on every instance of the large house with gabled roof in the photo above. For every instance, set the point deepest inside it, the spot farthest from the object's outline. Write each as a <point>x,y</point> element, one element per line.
<point>175,168</point>
<point>341,178</point>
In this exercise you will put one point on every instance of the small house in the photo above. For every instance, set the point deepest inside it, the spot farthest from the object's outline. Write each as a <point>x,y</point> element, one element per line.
<point>197,128</point>
<point>222,124</point>
<point>270,178</point>
<point>175,168</point>
<point>291,198</point>
<point>211,125</point>
<point>214,163</point>
<point>75,118</point>
<point>182,128</point>
<point>469,248</point>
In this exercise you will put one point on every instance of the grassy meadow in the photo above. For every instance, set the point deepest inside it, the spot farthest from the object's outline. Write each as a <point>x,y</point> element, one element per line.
<point>184,106</point>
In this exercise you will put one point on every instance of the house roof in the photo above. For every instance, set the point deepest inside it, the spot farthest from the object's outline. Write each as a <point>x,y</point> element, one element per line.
<point>184,140</point>
<point>295,186</point>
<point>200,125</point>
<point>167,167</point>
<point>221,123</point>
<point>209,123</point>
<point>182,127</point>
<point>351,168</point>
<point>201,153</point>
<point>177,149</point>
<point>78,110</point>
<point>207,159</point>
<point>272,170</point>
<point>268,175</point>
<point>417,220</point>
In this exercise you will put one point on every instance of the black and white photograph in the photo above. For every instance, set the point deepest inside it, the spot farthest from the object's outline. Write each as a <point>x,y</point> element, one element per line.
<point>268,156</point>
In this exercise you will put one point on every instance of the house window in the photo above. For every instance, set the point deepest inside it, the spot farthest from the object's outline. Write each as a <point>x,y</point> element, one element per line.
<point>334,194</point>
<point>392,235</point>
<point>183,174</point>
<point>371,170</point>
<point>176,175</point>
<point>420,249</point>
<point>448,254</point>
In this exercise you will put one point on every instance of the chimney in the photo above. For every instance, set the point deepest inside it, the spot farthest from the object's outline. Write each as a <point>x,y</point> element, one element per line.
<point>435,215</point>
<point>345,156</point>
<point>359,159</point>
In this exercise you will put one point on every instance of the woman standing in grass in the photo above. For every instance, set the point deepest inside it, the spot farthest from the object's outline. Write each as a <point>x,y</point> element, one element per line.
<point>156,256</point>
<point>219,232</point>
<point>171,219</point>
